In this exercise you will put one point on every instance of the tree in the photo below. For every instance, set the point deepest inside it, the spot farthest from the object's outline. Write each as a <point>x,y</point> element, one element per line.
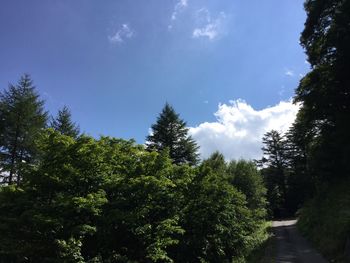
<point>63,123</point>
<point>301,185</point>
<point>171,132</point>
<point>22,118</point>
<point>248,180</point>
<point>218,225</point>
<point>324,92</point>
<point>274,164</point>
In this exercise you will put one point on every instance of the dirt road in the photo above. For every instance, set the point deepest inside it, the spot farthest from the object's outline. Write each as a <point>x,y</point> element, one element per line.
<point>288,246</point>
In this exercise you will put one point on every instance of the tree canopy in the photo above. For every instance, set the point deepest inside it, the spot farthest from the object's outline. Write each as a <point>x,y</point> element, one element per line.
<point>171,132</point>
<point>109,200</point>
<point>324,92</point>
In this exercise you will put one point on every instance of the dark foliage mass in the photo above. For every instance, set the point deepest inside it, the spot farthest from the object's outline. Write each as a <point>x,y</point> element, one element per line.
<point>322,129</point>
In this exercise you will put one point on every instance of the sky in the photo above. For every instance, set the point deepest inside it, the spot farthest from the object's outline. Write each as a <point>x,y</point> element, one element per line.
<point>228,67</point>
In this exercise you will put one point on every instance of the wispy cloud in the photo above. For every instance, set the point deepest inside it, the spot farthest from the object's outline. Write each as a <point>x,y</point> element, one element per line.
<point>289,72</point>
<point>179,7</point>
<point>282,90</point>
<point>123,32</point>
<point>208,27</point>
<point>239,128</point>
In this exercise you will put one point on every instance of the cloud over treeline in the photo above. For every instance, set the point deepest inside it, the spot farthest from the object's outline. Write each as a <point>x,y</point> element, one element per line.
<point>239,128</point>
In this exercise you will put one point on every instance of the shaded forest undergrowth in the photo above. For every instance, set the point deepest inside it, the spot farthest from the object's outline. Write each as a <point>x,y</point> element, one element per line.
<point>325,220</point>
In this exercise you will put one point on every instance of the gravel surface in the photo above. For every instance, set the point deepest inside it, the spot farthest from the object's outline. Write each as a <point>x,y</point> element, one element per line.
<point>288,246</point>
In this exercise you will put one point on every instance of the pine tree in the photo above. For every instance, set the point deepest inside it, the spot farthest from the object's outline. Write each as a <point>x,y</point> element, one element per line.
<point>171,132</point>
<point>22,118</point>
<point>274,170</point>
<point>63,123</point>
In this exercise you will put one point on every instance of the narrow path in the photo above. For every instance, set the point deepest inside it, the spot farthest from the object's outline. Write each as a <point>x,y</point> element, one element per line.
<point>290,247</point>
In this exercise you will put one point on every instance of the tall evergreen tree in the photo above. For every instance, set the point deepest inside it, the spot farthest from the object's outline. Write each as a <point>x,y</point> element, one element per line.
<point>171,132</point>
<point>22,117</point>
<point>63,123</point>
<point>274,170</point>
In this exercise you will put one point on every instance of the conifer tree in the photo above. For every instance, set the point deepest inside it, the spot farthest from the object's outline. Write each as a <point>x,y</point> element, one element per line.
<point>22,117</point>
<point>171,132</point>
<point>63,123</point>
<point>274,164</point>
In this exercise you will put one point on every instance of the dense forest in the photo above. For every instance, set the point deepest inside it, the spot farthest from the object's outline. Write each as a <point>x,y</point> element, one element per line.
<point>68,197</point>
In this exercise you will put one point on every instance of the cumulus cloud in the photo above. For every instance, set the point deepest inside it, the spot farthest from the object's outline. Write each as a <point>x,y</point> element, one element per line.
<point>208,27</point>
<point>124,32</point>
<point>179,7</point>
<point>239,128</point>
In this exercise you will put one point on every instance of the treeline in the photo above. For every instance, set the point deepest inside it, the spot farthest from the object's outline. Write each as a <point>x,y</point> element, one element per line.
<point>67,197</point>
<point>311,162</point>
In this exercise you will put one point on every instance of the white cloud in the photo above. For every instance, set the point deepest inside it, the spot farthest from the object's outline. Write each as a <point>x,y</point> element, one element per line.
<point>124,32</point>
<point>208,27</point>
<point>179,7</point>
<point>289,73</point>
<point>238,129</point>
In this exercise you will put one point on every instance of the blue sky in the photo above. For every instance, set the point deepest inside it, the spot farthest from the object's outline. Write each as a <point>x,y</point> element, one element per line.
<point>115,63</point>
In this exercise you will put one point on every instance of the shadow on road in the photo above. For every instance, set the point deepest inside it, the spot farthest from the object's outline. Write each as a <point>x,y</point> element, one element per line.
<point>290,246</point>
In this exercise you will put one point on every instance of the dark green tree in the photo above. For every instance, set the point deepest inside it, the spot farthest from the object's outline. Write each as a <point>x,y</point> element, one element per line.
<point>324,93</point>
<point>274,170</point>
<point>301,185</point>
<point>22,118</point>
<point>63,123</point>
<point>171,132</point>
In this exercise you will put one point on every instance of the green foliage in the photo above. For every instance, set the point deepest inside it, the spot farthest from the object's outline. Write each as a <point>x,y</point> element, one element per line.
<point>143,208</point>
<point>63,123</point>
<point>58,203</point>
<point>219,225</point>
<point>109,200</point>
<point>326,220</point>
<point>22,118</point>
<point>247,179</point>
<point>171,132</point>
